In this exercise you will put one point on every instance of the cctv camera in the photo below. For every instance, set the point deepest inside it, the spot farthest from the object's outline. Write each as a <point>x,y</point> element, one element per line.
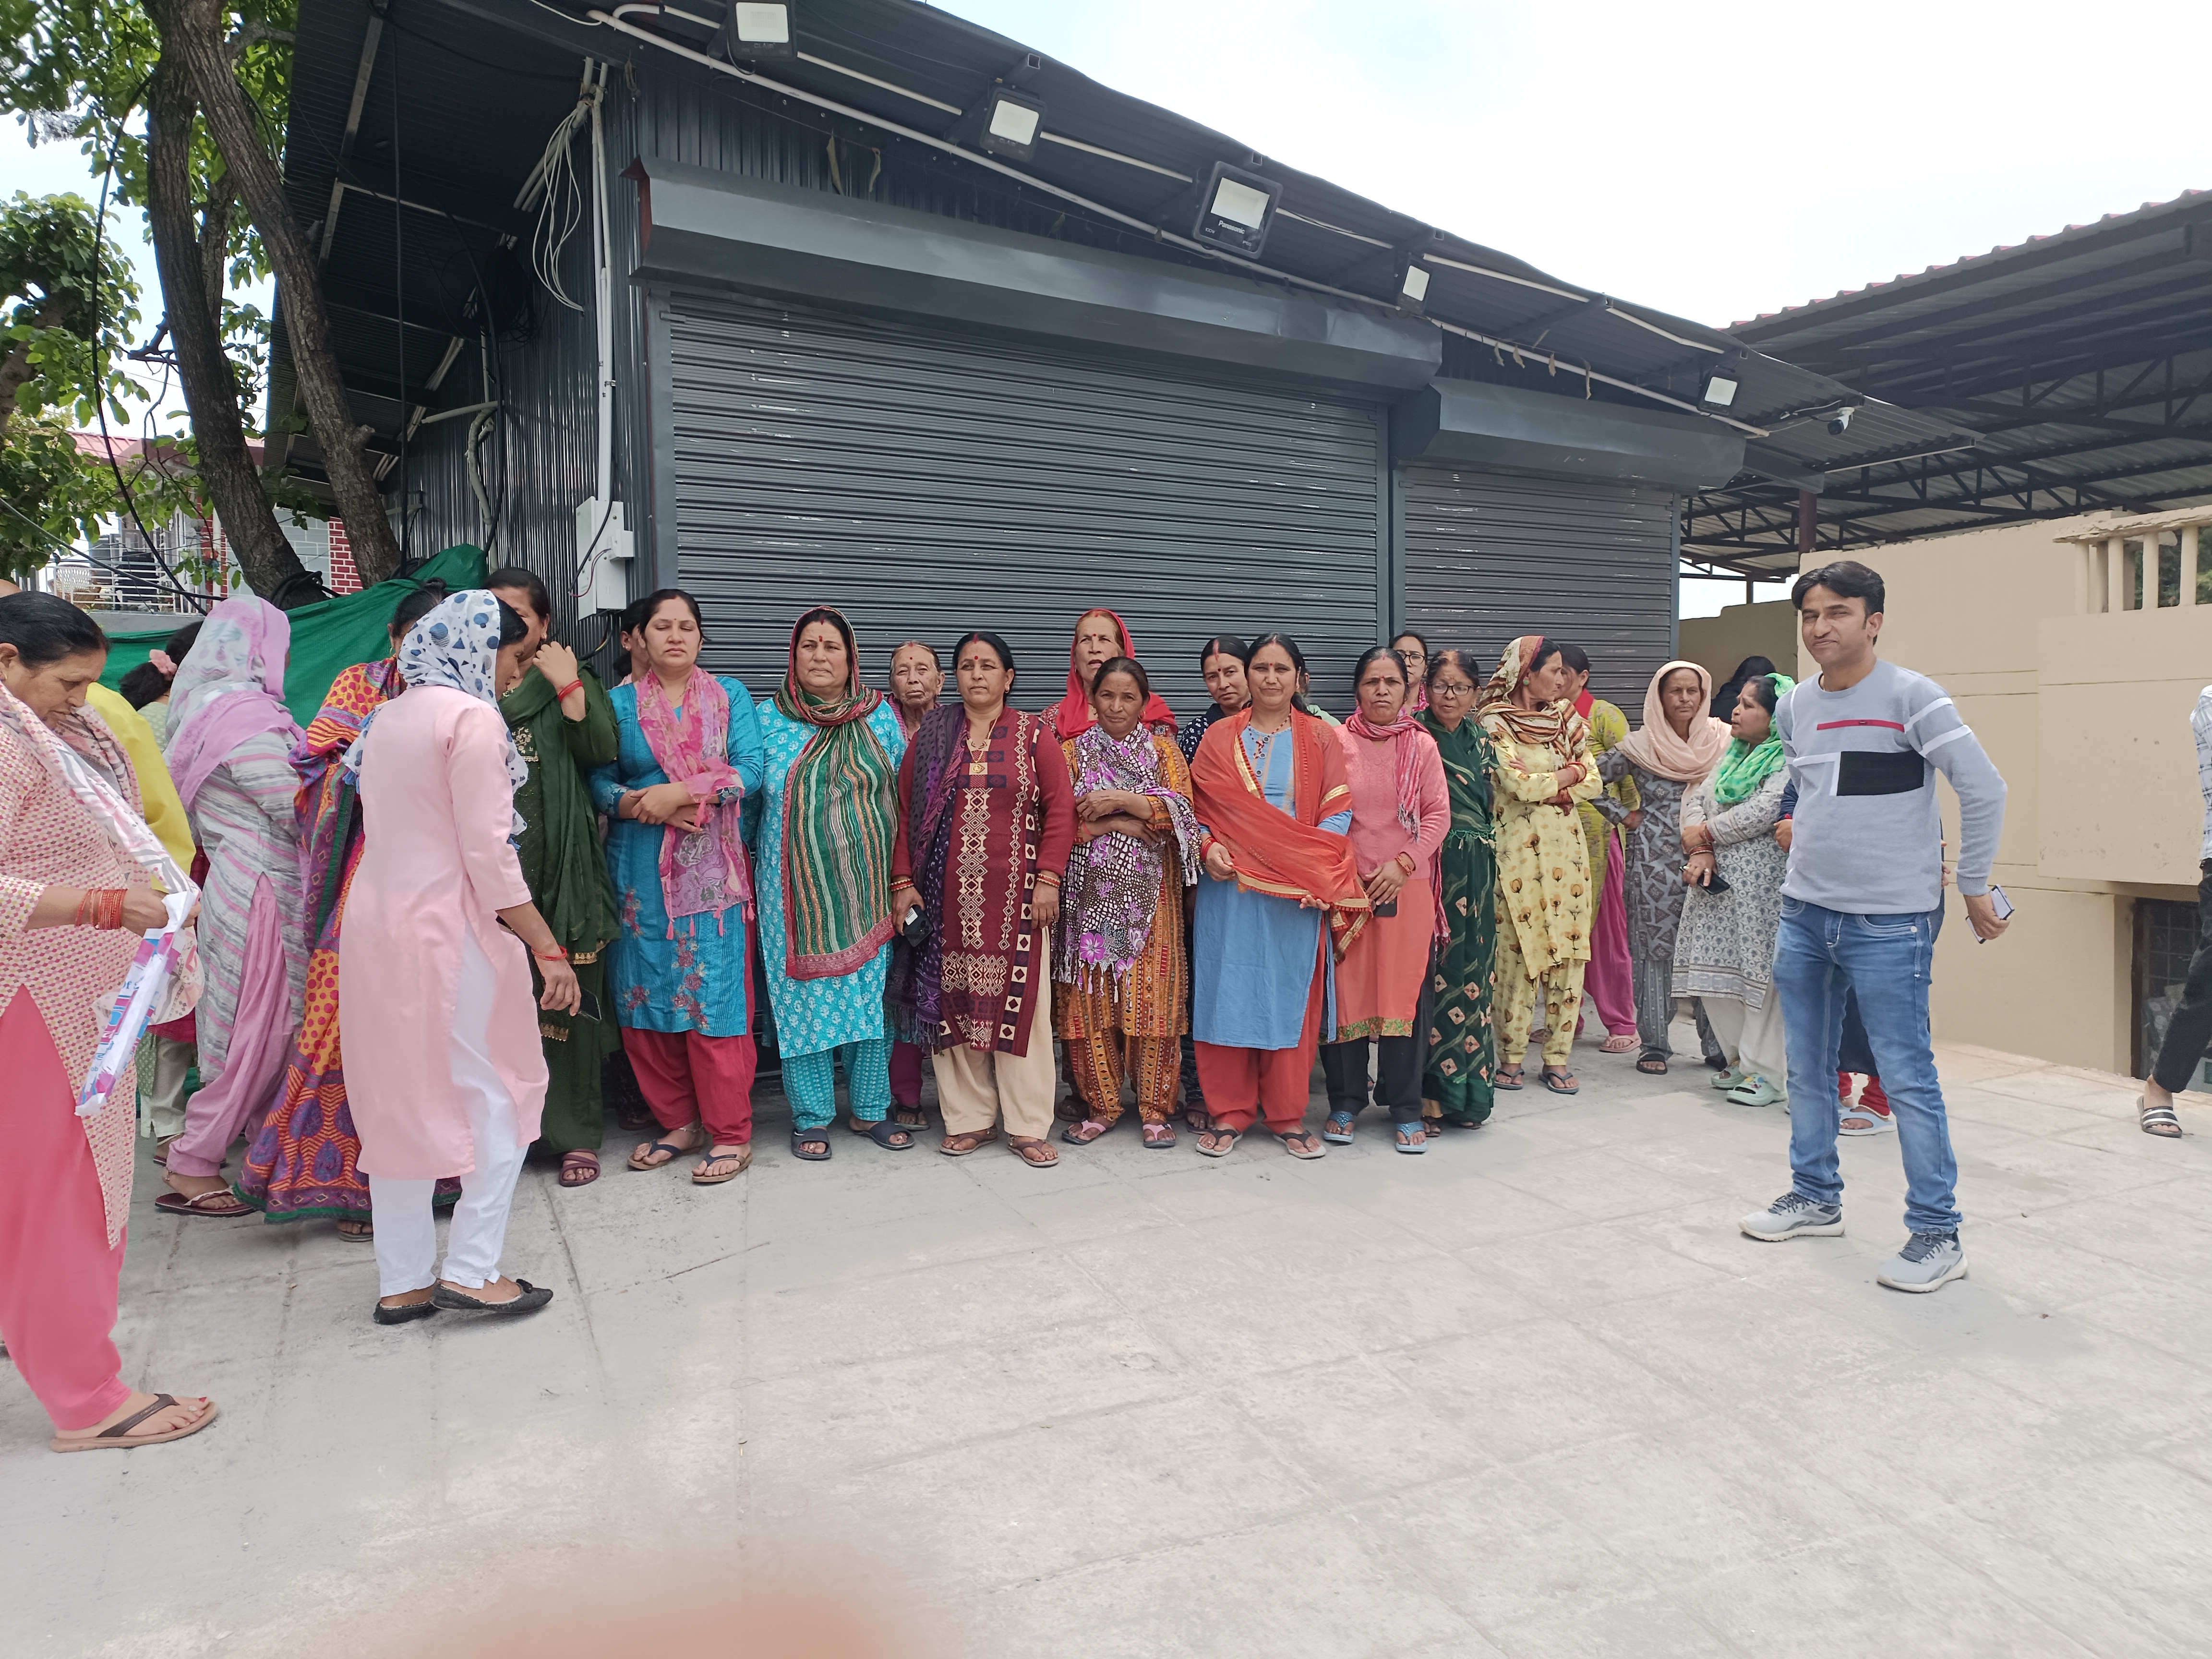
<point>1839,422</point>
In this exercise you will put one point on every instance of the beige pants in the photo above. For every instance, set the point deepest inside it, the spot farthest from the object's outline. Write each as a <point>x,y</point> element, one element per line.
<point>1753,1037</point>
<point>1559,995</point>
<point>974,1089</point>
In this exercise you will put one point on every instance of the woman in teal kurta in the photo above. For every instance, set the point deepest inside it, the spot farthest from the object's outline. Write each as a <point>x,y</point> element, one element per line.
<point>824,983</point>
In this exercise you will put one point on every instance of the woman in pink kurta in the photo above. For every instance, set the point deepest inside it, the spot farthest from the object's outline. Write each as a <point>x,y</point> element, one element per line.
<point>444,1069</point>
<point>76,865</point>
<point>1401,811</point>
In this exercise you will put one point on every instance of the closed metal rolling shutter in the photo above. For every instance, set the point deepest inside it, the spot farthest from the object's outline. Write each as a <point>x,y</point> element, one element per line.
<point>927,483</point>
<point>1490,557</point>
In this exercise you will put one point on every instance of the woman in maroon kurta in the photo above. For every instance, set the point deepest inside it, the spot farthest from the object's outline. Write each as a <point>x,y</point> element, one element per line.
<point>986,818</point>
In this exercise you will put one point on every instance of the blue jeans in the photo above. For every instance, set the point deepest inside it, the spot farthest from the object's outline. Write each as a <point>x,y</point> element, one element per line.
<point>1884,961</point>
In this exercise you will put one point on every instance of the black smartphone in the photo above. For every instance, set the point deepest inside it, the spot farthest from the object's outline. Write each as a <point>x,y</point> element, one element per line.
<point>1719,883</point>
<point>915,928</point>
<point>1387,908</point>
<point>589,1007</point>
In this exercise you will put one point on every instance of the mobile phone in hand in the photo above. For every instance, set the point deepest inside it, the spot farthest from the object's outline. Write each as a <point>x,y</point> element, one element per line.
<point>2001,904</point>
<point>588,1008</point>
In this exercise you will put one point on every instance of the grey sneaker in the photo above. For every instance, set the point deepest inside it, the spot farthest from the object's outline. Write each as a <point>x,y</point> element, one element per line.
<point>1928,1262</point>
<point>1795,1216</point>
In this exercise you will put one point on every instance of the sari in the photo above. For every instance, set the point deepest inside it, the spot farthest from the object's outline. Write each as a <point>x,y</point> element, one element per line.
<point>1457,1083</point>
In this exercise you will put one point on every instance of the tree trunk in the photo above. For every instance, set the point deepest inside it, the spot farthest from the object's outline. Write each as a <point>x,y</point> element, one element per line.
<point>16,369</point>
<point>192,34</point>
<point>227,472</point>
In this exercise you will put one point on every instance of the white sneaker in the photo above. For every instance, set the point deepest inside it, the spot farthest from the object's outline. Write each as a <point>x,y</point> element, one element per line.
<point>1794,1216</point>
<point>1928,1262</point>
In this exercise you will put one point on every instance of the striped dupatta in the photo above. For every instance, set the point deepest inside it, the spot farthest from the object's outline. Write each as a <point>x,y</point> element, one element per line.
<point>1284,855</point>
<point>840,821</point>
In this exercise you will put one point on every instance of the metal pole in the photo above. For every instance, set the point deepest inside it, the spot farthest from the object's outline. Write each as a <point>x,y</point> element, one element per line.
<point>1808,525</point>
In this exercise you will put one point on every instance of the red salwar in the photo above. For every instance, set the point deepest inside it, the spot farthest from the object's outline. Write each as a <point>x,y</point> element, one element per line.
<point>1241,1084</point>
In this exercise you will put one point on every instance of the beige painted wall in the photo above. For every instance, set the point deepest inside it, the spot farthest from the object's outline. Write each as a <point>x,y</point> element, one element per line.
<point>2086,717</point>
<point>1718,643</point>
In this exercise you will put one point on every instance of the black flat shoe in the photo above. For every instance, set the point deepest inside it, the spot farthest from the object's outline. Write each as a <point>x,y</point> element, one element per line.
<point>405,1314</point>
<point>533,1298</point>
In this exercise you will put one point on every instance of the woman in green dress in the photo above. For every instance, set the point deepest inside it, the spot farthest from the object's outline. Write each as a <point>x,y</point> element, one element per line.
<point>1457,1084</point>
<point>564,726</point>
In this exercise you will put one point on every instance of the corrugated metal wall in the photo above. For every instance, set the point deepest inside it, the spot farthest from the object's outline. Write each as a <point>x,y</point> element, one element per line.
<point>928,482</point>
<point>1488,557</point>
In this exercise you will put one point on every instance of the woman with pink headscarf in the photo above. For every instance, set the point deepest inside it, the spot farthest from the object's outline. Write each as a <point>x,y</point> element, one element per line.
<point>230,751</point>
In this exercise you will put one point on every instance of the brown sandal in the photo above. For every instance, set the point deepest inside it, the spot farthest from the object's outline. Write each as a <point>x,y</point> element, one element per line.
<point>1083,1131</point>
<point>961,1145</point>
<point>1037,1154</point>
<point>742,1157</point>
<point>218,1203</point>
<point>118,1437</point>
<point>579,1169</point>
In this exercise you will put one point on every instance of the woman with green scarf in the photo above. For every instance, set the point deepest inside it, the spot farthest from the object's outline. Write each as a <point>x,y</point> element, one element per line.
<point>1457,1081</point>
<point>821,853</point>
<point>564,727</point>
<point>1724,949</point>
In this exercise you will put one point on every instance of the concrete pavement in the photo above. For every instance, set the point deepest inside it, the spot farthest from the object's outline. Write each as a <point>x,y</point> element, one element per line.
<point>1529,1395</point>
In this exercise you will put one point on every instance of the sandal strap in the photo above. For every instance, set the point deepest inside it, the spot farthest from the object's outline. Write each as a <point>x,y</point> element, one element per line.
<point>122,1430</point>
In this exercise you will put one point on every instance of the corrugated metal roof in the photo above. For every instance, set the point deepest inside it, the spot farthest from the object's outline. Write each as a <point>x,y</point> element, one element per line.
<point>2082,361</point>
<point>462,94</point>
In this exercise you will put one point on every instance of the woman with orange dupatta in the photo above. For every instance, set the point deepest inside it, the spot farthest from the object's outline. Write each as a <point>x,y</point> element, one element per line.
<point>1275,804</point>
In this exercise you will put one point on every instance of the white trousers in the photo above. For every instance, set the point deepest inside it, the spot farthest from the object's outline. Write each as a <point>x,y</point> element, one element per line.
<point>1753,1037</point>
<point>406,1224</point>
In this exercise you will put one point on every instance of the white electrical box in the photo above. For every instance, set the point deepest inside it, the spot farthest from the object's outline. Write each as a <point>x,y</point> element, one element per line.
<point>604,551</point>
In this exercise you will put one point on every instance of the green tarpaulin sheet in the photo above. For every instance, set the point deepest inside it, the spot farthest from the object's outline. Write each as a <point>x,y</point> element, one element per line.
<point>328,638</point>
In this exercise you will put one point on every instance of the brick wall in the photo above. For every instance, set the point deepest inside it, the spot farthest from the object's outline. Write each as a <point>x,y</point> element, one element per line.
<point>344,579</point>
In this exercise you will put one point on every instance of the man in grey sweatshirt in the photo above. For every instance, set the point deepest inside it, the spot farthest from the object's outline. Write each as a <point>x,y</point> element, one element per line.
<point>1864,741</point>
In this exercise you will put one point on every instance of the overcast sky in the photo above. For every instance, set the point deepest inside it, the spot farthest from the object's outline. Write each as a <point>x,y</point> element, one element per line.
<point>1715,159</point>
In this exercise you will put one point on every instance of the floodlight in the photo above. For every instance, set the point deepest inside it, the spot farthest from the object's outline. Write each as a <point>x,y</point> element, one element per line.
<point>1007,122</point>
<point>1235,210</point>
<point>757,29</point>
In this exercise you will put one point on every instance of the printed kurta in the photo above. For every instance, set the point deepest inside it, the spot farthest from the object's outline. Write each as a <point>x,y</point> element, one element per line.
<point>1459,1080</point>
<point>691,977</point>
<point>242,818</point>
<point>811,1015</point>
<point>1152,999</point>
<point>1725,944</point>
<point>48,839</point>
<point>436,868</point>
<point>1653,878</point>
<point>1544,905</point>
<point>1608,726</point>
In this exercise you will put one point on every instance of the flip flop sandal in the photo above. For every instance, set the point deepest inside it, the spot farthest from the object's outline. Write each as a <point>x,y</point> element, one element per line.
<point>645,1160</point>
<point>1023,1146</point>
<point>1197,1119</point>
<point>365,1234</point>
<point>910,1117</point>
<point>1616,1045</point>
<point>205,1205</point>
<point>1876,1123</point>
<point>742,1157</point>
<point>1455,1123</point>
<point>801,1139</point>
<point>2158,1120</point>
<point>119,1437</point>
<point>885,1133</point>
<point>160,1153</point>
<point>584,1166</point>
<point>533,1298</point>
<point>1301,1143</point>
<point>1509,1077</point>
<point>1652,1065</point>
<point>1404,1145</point>
<point>1561,1083</point>
<point>1159,1134</point>
<point>961,1145</point>
<point>1073,1135</point>
<point>1336,1128</point>
<point>1225,1142</point>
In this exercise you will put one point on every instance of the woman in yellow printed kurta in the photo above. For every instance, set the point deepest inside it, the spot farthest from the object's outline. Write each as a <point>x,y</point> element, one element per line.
<point>1542,770</point>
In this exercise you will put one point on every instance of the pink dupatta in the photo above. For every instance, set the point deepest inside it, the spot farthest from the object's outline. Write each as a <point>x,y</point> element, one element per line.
<point>702,872</point>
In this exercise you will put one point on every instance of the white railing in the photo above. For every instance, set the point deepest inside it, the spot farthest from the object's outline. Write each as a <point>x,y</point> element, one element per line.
<point>2119,565</point>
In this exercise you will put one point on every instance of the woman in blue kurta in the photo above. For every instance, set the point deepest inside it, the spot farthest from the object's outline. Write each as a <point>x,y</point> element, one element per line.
<point>822,850</point>
<point>1274,805</point>
<point>690,753</point>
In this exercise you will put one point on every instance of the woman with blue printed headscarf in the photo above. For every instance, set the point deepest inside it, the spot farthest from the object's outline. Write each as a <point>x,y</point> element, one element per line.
<point>444,1067</point>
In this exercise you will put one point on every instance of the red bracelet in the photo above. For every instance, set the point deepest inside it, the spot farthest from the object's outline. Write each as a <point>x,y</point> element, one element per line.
<point>560,954</point>
<point>562,696</point>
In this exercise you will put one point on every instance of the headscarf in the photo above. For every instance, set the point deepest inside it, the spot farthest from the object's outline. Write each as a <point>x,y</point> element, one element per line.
<point>1549,725</point>
<point>703,870</point>
<point>1112,887</point>
<point>1407,781</point>
<point>1071,715</point>
<point>1655,748</point>
<point>1747,765</point>
<point>840,820</point>
<point>230,689</point>
<point>455,645</point>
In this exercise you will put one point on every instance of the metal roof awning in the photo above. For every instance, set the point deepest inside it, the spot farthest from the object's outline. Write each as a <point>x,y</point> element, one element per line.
<point>1504,429</point>
<point>2074,372</point>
